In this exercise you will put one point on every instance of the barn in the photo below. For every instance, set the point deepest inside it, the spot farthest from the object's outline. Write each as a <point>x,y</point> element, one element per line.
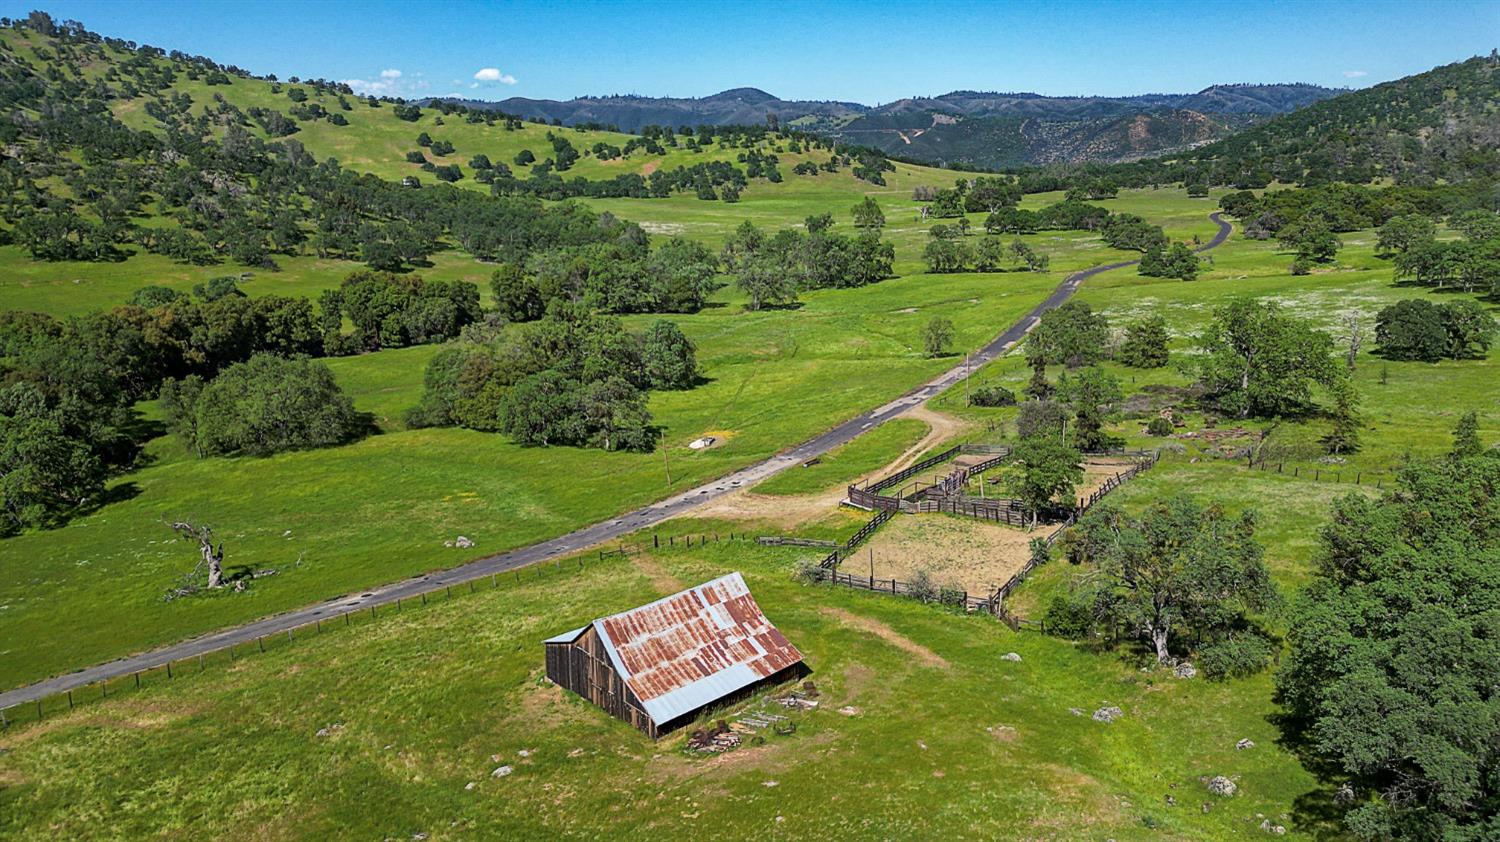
<point>658,665</point>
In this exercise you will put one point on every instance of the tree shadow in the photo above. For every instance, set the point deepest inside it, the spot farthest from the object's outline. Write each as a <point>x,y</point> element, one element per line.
<point>117,493</point>
<point>1316,812</point>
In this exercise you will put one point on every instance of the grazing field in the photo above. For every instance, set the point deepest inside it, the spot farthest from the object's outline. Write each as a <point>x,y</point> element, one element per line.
<point>379,509</point>
<point>916,707</point>
<point>1409,408</point>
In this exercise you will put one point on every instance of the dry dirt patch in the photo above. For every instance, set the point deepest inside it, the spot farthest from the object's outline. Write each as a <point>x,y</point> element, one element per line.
<point>790,512</point>
<point>1098,470</point>
<point>973,555</point>
<point>663,581</point>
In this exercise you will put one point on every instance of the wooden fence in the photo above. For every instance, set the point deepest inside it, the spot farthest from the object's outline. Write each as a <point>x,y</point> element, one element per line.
<point>786,541</point>
<point>905,499</point>
<point>944,596</point>
<point>1148,460</point>
<point>832,560</point>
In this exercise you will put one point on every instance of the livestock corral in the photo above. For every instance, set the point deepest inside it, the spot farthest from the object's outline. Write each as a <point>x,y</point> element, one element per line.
<point>976,554</point>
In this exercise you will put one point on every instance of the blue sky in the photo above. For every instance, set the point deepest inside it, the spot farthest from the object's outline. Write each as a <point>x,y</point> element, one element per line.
<point>862,52</point>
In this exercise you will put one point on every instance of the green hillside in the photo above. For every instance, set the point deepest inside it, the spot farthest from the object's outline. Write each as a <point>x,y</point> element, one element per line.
<point>264,308</point>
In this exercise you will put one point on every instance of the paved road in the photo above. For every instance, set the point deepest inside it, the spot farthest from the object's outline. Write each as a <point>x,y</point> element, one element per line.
<point>582,538</point>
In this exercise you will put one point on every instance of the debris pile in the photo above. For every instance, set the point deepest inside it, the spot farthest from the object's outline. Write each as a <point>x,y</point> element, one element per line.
<point>719,738</point>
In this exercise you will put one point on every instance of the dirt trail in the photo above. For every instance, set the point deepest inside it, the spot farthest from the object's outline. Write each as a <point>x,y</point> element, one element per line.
<point>663,581</point>
<point>888,634</point>
<point>791,511</point>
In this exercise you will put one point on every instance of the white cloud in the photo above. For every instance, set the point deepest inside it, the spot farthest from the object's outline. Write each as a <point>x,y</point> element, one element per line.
<point>1355,74</point>
<point>391,82</point>
<point>493,74</point>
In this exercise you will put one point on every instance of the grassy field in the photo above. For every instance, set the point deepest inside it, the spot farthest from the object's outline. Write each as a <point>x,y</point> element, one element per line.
<point>379,509</point>
<point>1408,407</point>
<point>844,465</point>
<point>417,707</point>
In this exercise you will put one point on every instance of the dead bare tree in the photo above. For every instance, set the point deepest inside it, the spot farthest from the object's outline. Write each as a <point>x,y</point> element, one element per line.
<point>1354,337</point>
<point>209,556</point>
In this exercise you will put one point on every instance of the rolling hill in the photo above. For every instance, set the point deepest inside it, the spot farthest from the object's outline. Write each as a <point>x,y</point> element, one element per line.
<point>973,128</point>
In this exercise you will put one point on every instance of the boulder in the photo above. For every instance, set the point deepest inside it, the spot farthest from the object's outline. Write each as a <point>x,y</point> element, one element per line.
<point>1108,714</point>
<point>1185,670</point>
<point>1222,786</point>
<point>501,772</point>
<point>1011,656</point>
<point>463,543</point>
<point>1244,744</point>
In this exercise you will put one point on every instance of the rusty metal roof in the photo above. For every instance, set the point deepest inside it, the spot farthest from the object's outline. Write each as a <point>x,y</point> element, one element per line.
<point>692,648</point>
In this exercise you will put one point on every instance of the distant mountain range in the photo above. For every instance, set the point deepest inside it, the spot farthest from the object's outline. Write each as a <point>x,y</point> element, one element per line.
<point>964,127</point>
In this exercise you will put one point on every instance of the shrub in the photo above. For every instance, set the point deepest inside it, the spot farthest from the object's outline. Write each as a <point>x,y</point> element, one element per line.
<point>1069,616</point>
<point>1041,551</point>
<point>807,571</point>
<point>992,395</point>
<point>951,595</point>
<point>1235,656</point>
<point>921,586</point>
<point>1159,427</point>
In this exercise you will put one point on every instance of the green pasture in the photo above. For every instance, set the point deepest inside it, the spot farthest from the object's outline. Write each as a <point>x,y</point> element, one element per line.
<point>338,519</point>
<point>414,713</point>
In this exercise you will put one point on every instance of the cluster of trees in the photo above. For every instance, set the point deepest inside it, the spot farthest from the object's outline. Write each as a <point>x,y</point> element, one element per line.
<point>982,194</point>
<point>574,377</point>
<point>945,253</point>
<point>1418,329</point>
<point>771,269</point>
<point>392,311</point>
<point>1471,264</point>
<point>67,417</point>
<point>1177,261</point>
<point>675,277</point>
<point>1393,650</point>
<point>264,405</point>
<point>1307,222</point>
<point>1186,578</point>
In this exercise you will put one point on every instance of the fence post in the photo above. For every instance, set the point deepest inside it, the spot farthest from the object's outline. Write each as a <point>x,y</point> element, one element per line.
<point>70,700</point>
<point>261,641</point>
<point>169,669</point>
<point>137,680</point>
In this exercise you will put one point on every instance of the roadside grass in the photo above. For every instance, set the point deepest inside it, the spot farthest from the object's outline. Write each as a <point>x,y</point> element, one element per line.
<point>419,705</point>
<point>858,458</point>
